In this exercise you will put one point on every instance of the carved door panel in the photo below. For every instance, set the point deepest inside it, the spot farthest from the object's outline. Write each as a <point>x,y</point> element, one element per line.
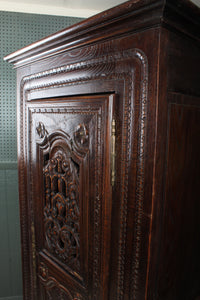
<point>70,195</point>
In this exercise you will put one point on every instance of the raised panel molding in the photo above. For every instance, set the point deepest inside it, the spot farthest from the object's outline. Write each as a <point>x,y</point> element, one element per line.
<point>106,68</point>
<point>56,150</point>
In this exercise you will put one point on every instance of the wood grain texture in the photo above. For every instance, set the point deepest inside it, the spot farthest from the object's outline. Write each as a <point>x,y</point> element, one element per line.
<point>180,267</point>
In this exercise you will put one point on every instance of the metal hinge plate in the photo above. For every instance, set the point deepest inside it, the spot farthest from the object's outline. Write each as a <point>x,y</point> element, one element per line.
<point>113,151</point>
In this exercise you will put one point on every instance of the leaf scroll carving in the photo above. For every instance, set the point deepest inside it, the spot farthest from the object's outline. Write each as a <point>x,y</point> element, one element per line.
<point>61,211</point>
<point>53,289</point>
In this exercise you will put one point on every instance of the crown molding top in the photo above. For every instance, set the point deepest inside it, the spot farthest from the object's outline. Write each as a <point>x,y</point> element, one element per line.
<point>135,15</point>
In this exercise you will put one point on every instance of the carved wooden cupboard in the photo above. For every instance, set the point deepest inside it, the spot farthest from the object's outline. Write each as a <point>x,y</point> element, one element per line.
<point>108,153</point>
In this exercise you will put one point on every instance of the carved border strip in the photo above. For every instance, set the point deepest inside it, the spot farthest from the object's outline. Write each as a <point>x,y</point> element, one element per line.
<point>26,87</point>
<point>140,177</point>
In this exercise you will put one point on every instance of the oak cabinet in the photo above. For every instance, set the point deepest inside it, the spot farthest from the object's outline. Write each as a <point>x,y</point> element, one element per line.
<point>108,155</point>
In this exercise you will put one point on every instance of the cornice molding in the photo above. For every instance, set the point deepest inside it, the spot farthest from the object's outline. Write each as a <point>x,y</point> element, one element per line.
<point>136,15</point>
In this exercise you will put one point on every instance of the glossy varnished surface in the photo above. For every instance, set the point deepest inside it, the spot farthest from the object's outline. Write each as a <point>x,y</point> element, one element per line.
<point>83,235</point>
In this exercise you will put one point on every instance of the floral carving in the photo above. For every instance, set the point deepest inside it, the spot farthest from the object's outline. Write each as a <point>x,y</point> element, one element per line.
<point>61,211</point>
<point>43,271</point>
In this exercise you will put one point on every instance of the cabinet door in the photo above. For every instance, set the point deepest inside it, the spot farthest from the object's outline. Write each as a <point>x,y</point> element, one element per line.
<point>70,195</point>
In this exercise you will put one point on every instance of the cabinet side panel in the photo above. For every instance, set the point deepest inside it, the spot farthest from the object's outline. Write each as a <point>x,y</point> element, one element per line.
<point>183,65</point>
<point>179,271</point>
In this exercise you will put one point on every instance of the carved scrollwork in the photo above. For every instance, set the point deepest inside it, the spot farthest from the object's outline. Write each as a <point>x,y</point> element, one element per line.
<point>53,288</point>
<point>43,271</point>
<point>61,211</point>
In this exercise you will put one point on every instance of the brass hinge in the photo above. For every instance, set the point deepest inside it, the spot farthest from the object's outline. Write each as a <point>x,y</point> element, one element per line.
<point>113,151</point>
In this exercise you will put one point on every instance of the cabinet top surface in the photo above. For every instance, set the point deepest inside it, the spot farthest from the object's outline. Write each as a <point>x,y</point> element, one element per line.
<point>129,17</point>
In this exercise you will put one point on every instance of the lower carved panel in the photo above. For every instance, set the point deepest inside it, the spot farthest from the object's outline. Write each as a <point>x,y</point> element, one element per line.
<point>53,290</point>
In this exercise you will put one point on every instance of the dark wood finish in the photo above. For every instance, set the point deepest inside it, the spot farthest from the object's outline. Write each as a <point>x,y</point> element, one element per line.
<point>127,77</point>
<point>181,224</point>
<point>71,157</point>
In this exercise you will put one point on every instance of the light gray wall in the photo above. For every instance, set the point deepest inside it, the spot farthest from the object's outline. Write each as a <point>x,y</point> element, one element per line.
<point>197,2</point>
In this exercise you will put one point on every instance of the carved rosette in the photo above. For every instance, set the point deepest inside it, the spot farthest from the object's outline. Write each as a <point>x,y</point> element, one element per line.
<point>61,211</point>
<point>81,135</point>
